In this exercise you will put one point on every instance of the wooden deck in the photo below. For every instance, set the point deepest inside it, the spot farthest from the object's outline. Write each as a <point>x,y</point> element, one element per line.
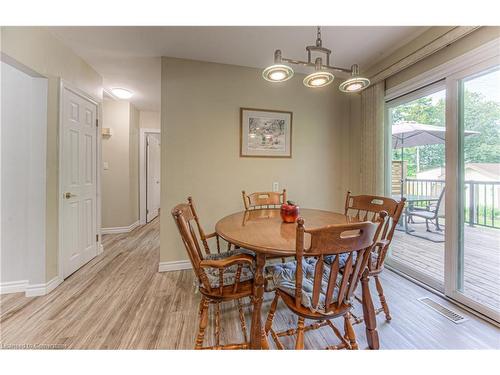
<point>481,260</point>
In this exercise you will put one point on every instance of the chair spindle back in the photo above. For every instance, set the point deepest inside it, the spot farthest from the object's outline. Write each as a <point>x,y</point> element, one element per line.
<point>351,239</point>
<point>185,217</point>
<point>369,207</point>
<point>259,200</point>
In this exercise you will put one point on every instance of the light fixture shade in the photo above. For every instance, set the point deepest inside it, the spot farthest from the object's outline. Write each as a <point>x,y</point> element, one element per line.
<point>319,79</point>
<point>277,73</point>
<point>354,84</point>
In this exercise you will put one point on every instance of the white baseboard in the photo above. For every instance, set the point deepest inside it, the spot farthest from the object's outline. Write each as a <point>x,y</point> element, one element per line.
<point>33,290</point>
<point>117,230</point>
<point>13,286</point>
<point>30,290</point>
<point>100,249</point>
<point>174,266</point>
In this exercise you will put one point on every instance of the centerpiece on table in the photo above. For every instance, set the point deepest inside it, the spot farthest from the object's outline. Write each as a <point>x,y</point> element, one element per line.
<point>289,212</point>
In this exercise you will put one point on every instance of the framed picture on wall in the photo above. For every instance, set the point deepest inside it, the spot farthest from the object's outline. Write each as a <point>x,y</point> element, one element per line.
<point>265,133</point>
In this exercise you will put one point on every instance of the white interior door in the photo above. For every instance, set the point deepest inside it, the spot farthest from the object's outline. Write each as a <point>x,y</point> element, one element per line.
<point>78,176</point>
<point>153,176</point>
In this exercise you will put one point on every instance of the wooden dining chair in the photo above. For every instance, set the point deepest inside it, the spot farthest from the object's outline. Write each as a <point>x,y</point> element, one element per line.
<point>369,207</point>
<point>262,200</point>
<point>222,276</point>
<point>313,289</point>
<point>267,199</point>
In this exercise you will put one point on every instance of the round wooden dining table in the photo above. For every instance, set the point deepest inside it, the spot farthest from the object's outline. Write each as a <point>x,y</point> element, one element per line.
<point>263,232</point>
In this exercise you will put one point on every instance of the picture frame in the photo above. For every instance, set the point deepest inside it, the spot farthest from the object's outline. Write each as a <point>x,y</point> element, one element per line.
<point>265,133</point>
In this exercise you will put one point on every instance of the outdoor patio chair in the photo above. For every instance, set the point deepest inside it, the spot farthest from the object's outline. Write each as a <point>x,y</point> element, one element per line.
<point>432,213</point>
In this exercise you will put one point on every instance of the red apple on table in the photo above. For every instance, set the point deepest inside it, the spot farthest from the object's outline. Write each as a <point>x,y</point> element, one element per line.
<point>289,212</point>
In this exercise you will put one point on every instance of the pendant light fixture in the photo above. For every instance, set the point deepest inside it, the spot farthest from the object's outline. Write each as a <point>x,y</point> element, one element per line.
<point>321,77</point>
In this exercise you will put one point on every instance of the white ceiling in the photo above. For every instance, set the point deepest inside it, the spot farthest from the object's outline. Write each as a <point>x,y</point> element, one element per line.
<point>129,57</point>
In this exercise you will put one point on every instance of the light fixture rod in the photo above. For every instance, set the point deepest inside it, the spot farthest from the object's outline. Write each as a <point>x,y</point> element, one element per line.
<point>277,56</point>
<point>355,70</point>
<point>306,63</point>
<point>324,50</point>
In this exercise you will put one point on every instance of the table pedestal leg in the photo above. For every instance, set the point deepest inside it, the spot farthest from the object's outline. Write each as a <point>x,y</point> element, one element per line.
<point>369,313</point>
<point>258,340</point>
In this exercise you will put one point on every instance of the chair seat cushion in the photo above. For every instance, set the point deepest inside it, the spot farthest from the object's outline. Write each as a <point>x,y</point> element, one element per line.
<point>343,258</point>
<point>282,276</point>
<point>229,276</point>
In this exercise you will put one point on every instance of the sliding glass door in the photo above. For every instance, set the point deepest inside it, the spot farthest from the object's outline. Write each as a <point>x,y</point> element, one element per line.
<point>417,130</point>
<point>474,252</point>
<point>444,158</point>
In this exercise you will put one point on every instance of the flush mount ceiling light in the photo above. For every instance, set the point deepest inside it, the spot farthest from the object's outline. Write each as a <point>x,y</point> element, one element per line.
<point>121,93</point>
<point>279,72</point>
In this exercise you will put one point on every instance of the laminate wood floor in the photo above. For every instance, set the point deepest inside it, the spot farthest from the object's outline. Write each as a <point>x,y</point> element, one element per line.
<point>120,301</point>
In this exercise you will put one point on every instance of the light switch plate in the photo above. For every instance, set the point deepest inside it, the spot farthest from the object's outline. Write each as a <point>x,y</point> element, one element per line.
<point>276,186</point>
<point>105,165</point>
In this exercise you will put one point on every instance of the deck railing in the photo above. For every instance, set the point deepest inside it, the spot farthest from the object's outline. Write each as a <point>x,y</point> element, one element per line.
<point>482,199</point>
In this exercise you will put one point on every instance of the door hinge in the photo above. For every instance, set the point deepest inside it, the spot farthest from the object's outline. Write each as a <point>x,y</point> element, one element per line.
<point>96,123</point>
<point>147,211</point>
<point>96,238</point>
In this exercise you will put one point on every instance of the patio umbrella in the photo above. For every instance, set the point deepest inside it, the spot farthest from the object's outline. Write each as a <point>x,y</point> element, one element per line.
<point>412,134</point>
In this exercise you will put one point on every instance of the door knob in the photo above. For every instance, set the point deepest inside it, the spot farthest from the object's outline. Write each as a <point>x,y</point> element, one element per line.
<point>69,195</point>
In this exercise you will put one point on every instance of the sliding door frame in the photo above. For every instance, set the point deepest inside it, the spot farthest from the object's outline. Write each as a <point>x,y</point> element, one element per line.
<point>450,73</point>
<point>454,178</point>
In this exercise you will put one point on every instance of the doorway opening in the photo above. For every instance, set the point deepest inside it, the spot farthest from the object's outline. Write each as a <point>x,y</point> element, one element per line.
<point>23,168</point>
<point>149,174</point>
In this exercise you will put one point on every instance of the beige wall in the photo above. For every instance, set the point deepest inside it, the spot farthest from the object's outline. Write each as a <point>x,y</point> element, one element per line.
<point>200,143</point>
<point>149,119</point>
<point>115,151</point>
<point>120,182</point>
<point>40,51</point>
<point>134,164</point>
